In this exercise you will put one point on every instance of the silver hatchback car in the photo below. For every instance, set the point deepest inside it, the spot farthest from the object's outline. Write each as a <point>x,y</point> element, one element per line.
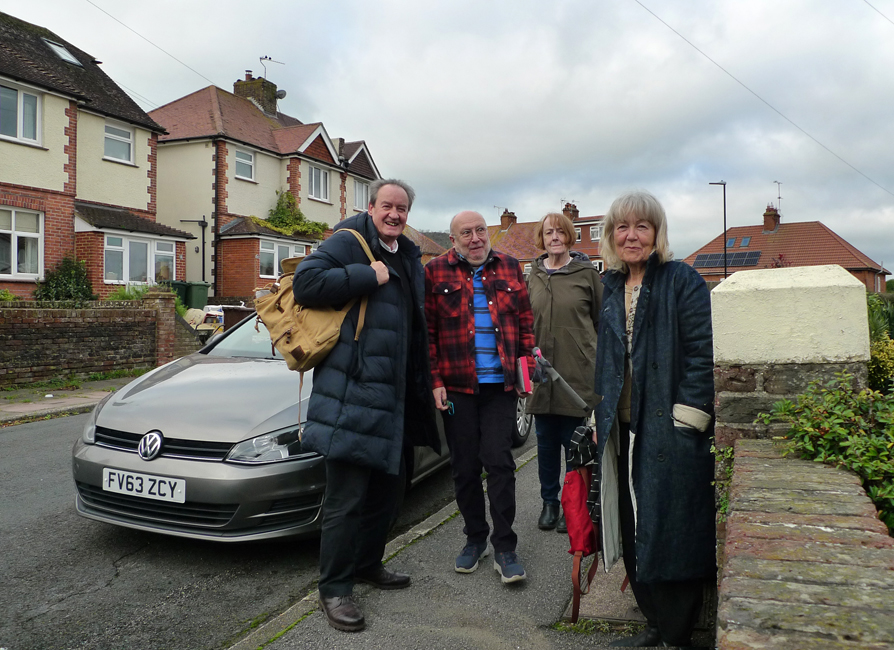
<point>208,447</point>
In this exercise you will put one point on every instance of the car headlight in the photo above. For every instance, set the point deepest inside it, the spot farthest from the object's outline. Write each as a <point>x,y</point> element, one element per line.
<point>88,435</point>
<point>269,448</point>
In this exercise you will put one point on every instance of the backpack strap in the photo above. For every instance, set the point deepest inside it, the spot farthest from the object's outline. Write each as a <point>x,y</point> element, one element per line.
<point>363,301</point>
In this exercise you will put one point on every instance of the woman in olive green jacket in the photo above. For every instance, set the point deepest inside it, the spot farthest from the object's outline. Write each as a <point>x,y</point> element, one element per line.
<point>566,296</point>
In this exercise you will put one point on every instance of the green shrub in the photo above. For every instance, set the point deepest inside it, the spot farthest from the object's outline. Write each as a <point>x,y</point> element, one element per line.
<point>68,281</point>
<point>837,424</point>
<point>881,316</point>
<point>881,365</point>
<point>286,217</point>
<point>129,292</point>
<point>137,291</point>
<point>7,296</point>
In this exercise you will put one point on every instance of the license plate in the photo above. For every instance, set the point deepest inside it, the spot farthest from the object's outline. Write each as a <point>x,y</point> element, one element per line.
<point>161,488</point>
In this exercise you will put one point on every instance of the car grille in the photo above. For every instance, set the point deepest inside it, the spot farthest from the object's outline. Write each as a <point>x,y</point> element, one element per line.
<point>172,447</point>
<point>283,513</point>
<point>204,515</point>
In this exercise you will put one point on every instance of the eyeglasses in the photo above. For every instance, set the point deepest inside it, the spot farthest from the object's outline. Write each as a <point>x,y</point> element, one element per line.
<point>466,234</point>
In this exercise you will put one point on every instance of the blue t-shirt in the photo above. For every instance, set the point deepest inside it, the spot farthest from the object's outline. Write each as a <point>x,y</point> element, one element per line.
<point>487,358</point>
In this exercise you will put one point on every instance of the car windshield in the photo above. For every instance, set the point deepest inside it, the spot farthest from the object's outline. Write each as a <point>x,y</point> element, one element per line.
<point>245,341</point>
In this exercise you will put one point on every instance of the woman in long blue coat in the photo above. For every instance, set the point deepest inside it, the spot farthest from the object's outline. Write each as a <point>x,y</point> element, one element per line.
<point>654,369</point>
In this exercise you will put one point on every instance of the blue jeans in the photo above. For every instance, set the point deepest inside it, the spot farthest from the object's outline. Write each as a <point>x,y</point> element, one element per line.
<point>553,435</point>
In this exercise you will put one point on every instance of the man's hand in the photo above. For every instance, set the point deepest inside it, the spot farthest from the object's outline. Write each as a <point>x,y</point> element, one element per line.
<point>441,398</point>
<point>381,272</point>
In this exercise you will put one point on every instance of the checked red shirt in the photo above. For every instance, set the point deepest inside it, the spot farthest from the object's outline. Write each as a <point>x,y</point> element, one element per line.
<point>451,321</point>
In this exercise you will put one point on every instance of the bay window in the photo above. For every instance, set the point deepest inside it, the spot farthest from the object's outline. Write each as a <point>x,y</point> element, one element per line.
<point>272,254</point>
<point>21,243</point>
<point>132,260</point>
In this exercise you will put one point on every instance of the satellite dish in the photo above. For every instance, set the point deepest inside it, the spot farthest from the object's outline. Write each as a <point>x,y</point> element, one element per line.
<point>280,94</point>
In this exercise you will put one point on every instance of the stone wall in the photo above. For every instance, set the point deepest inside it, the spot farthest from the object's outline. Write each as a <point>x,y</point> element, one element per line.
<point>807,563</point>
<point>42,341</point>
<point>775,331</point>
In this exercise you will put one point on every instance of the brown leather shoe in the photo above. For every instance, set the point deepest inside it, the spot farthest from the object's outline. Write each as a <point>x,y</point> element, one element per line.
<point>384,579</point>
<point>343,613</point>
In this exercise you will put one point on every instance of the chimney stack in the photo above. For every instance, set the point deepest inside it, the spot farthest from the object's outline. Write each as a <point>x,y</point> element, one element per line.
<point>263,92</point>
<point>507,219</point>
<point>771,219</point>
<point>570,210</point>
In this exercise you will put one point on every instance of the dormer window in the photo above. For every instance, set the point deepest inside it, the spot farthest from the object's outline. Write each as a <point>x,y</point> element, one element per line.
<point>62,52</point>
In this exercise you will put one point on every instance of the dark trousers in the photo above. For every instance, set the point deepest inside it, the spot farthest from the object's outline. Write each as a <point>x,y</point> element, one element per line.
<point>672,607</point>
<point>358,508</point>
<point>553,435</point>
<point>479,435</point>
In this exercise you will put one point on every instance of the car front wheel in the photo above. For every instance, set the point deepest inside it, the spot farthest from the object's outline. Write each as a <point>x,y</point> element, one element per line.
<point>524,423</point>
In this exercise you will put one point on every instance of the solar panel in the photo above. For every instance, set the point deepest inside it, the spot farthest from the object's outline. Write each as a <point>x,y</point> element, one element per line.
<point>715,260</point>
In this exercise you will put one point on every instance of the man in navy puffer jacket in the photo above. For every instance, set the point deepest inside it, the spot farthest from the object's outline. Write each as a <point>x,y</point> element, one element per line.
<point>370,397</point>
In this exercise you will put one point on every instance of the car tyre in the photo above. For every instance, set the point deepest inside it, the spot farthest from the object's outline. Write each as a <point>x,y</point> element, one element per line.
<point>524,423</point>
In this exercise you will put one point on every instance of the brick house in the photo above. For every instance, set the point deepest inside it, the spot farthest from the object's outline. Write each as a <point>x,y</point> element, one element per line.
<point>223,160</point>
<point>517,239</point>
<point>77,170</point>
<point>775,244</point>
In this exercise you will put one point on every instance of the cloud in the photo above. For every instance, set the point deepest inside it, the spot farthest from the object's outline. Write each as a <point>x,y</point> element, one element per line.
<point>524,105</point>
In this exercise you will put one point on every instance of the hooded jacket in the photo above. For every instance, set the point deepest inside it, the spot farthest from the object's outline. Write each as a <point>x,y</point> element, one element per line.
<point>566,307</point>
<point>364,402</point>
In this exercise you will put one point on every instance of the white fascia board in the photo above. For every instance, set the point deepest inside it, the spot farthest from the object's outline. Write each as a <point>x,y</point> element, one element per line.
<point>320,130</point>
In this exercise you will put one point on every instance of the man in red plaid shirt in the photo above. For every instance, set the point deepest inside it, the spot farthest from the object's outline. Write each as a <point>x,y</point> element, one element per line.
<point>479,324</point>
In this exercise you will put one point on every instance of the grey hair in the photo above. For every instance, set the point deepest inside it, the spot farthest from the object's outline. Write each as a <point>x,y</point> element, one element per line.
<point>375,186</point>
<point>645,206</point>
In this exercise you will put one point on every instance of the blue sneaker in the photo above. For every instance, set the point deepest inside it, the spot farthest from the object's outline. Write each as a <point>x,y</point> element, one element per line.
<point>509,567</point>
<point>467,561</point>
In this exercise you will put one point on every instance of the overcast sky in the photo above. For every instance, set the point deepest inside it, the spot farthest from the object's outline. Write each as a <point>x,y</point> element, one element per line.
<point>489,104</point>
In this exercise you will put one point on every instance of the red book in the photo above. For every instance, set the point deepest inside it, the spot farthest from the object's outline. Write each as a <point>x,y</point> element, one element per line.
<point>523,377</point>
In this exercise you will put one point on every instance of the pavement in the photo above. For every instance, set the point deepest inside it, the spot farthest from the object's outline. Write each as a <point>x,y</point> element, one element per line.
<point>442,608</point>
<point>28,403</point>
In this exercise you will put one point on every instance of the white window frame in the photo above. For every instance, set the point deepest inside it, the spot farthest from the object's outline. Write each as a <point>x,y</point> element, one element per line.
<point>596,232</point>
<point>62,52</point>
<point>361,195</point>
<point>577,235</point>
<point>250,163</point>
<point>318,189</point>
<point>14,236</point>
<point>599,265</point>
<point>280,251</point>
<point>20,114</point>
<point>153,252</point>
<point>131,141</point>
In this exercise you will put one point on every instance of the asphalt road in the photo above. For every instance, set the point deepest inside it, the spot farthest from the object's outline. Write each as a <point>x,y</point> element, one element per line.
<point>70,583</point>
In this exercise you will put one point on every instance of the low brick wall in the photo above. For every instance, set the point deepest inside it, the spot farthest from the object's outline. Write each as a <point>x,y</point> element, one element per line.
<point>40,341</point>
<point>806,563</point>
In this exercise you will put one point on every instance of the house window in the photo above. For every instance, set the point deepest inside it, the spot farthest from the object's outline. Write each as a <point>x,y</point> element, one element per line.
<point>577,234</point>
<point>63,53</point>
<point>319,184</point>
<point>598,265</point>
<point>21,243</point>
<point>127,260</point>
<point>118,144</point>
<point>745,241</point>
<point>596,232</point>
<point>273,253</point>
<point>19,114</point>
<point>245,165</point>
<point>361,195</point>
<point>164,261</point>
<point>730,242</point>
